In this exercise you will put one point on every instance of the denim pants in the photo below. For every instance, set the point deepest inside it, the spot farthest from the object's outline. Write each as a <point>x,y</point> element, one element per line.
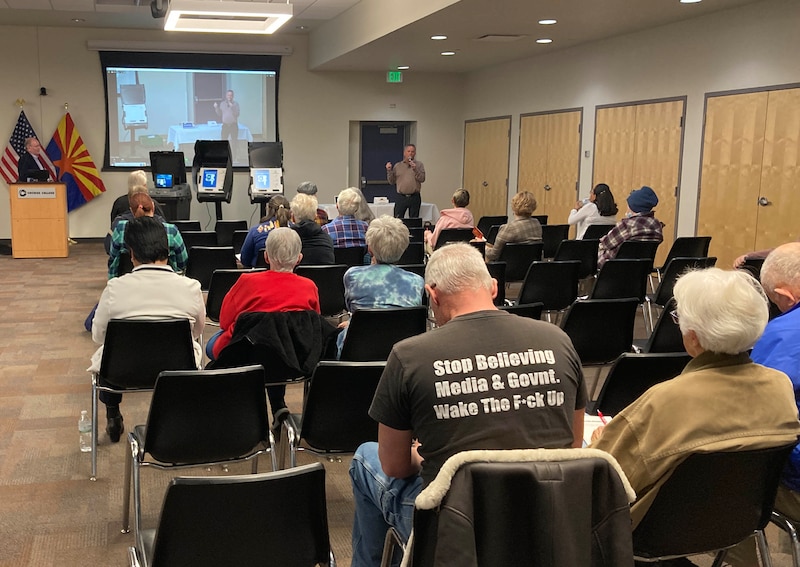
<point>381,502</point>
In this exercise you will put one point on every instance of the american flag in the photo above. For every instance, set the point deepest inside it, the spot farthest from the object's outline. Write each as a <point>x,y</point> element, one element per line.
<point>16,147</point>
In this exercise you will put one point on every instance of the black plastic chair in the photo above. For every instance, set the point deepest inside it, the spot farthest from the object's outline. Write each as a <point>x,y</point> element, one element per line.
<point>203,260</point>
<point>277,517</point>
<point>198,417</point>
<point>554,284</point>
<point>666,335</point>
<point>601,329</point>
<point>414,254</point>
<point>330,285</point>
<point>685,247</point>
<point>480,246</point>
<point>418,269</point>
<point>675,268</point>
<point>184,225</point>
<point>449,235</point>
<point>491,236</point>
<point>353,256</point>
<point>224,230</point>
<point>518,257</point>
<point>584,251</point>
<point>261,259</point>
<point>529,310</point>
<point>485,223</point>
<point>623,278</point>
<point>596,231</point>
<point>221,283</point>
<point>416,234</point>
<point>552,235</point>
<point>498,271</point>
<point>413,222</point>
<point>168,345</point>
<point>753,265</point>
<point>541,218</point>
<point>373,332</point>
<point>192,238</point>
<point>637,249</point>
<point>237,240</point>
<point>632,375</point>
<point>710,502</point>
<point>335,416</point>
<point>125,265</point>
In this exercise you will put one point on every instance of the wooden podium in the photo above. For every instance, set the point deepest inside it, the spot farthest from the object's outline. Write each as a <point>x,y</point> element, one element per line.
<point>39,227</point>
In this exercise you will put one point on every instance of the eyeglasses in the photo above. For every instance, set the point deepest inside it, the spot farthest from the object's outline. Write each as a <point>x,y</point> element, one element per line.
<point>675,317</point>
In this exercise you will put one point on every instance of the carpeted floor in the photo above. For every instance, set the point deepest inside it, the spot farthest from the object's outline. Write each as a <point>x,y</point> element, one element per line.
<point>50,512</point>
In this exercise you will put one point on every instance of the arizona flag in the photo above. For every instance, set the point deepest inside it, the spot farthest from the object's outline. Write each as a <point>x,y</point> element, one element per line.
<point>74,165</point>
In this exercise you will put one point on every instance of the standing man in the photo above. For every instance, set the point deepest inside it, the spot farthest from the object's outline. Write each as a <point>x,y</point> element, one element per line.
<point>409,175</point>
<point>30,164</point>
<point>228,110</point>
<point>485,379</point>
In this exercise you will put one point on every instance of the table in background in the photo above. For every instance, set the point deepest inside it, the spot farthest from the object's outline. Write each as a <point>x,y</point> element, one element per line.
<point>179,135</point>
<point>428,211</point>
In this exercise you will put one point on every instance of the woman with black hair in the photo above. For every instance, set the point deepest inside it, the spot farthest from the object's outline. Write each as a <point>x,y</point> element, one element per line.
<point>599,209</point>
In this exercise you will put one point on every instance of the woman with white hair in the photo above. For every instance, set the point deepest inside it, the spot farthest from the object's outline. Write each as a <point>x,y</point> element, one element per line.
<point>381,284</point>
<point>721,401</point>
<point>317,246</point>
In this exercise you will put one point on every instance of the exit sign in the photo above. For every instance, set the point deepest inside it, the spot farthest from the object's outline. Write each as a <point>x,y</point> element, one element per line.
<point>394,76</point>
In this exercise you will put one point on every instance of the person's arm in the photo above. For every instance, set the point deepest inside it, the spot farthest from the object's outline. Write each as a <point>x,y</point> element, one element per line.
<point>236,110</point>
<point>419,172</point>
<point>102,315</point>
<point>577,428</point>
<point>248,252</point>
<point>198,312</point>
<point>399,458</point>
<point>230,305</point>
<point>610,243</point>
<point>177,249</point>
<point>391,176</point>
<point>580,214</point>
<point>117,247</point>
<point>493,253</point>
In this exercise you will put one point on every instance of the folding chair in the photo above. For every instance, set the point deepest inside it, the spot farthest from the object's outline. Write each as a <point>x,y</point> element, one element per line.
<point>330,285</point>
<point>373,332</point>
<point>224,230</point>
<point>203,260</point>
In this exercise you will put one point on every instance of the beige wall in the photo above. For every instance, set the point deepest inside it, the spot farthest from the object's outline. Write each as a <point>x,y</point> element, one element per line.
<point>315,111</point>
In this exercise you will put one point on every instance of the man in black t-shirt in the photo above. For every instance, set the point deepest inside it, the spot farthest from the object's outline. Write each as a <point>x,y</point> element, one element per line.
<point>485,379</point>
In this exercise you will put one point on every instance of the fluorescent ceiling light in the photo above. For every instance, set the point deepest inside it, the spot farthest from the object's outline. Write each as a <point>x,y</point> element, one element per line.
<point>448,53</point>
<point>438,37</point>
<point>403,67</point>
<point>226,16</point>
<point>544,40</point>
<point>547,22</point>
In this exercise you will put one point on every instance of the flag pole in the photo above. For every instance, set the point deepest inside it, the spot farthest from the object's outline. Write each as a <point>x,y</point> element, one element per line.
<point>66,107</point>
<point>20,102</point>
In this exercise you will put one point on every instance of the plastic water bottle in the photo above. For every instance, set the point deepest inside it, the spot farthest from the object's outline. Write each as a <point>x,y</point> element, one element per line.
<point>85,432</point>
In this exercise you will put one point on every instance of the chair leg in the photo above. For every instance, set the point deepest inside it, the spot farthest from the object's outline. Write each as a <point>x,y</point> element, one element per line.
<point>720,557</point>
<point>126,491</point>
<point>95,401</point>
<point>786,525</point>
<point>763,549</point>
<point>390,543</point>
<point>137,498</point>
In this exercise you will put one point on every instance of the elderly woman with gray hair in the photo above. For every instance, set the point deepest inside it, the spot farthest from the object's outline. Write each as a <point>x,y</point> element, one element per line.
<point>721,401</point>
<point>381,284</point>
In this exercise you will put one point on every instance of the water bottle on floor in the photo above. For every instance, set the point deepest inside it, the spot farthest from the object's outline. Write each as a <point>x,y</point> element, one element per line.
<point>85,432</point>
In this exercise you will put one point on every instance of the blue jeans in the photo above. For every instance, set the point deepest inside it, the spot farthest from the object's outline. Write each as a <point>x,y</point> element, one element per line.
<point>381,502</point>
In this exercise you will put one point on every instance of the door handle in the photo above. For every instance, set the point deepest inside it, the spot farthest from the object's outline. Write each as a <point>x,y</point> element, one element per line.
<point>763,201</point>
<point>485,184</point>
<point>547,188</point>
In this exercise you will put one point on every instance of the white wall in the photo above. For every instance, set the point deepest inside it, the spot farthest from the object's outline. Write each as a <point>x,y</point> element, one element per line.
<point>315,111</point>
<point>748,47</point>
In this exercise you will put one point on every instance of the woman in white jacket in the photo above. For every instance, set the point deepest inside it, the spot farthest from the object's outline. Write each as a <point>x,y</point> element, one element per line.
<point>600,209</point>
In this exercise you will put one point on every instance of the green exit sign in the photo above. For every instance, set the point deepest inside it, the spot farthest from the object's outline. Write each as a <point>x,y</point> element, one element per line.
<point>394,76</point>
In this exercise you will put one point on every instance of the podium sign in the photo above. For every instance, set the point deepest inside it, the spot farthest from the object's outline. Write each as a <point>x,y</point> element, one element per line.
<point>39,226</point>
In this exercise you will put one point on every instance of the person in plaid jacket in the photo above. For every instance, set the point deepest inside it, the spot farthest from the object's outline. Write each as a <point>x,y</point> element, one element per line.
<point>639,223</point>
<point>346,230</point>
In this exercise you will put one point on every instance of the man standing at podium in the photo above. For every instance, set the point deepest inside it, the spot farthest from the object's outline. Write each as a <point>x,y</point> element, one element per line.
<point>31,163</point>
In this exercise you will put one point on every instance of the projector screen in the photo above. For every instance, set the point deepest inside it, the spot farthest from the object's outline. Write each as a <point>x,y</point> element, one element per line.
<point>167,101</point>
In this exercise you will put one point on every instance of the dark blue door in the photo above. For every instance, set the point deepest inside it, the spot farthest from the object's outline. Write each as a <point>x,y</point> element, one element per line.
<point>380,143</point>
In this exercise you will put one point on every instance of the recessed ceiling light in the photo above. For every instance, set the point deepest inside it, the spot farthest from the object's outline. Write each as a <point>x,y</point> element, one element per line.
<point>403,67</point>
<point>301,28</point>
<point>78,20</point>
<point>438,37</point>
<point>547,22</point>
<point>544,40</point>
<point>448,53</point>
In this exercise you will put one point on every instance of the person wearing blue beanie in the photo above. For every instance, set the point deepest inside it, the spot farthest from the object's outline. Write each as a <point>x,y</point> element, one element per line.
<point>639,223</point>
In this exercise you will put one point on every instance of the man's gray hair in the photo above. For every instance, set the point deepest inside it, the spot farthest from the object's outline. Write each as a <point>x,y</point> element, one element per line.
<point>348,202</point>
<point>457,267</point>
<point>307,188</point>
<point>782,268</point>
<point>137,178</point>
<point>283,249</point>
<point>304,207</point>
<point>387,238</point>
<point>726,309</point>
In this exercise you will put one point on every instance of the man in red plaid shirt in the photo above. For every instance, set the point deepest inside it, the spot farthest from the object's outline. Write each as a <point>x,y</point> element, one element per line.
<point>639,223</point>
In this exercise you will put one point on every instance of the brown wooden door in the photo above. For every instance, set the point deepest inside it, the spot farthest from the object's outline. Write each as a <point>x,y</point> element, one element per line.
<point>486,154</point>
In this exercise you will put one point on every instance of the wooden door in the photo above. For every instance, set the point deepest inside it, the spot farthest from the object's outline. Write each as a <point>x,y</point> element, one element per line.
<point>614,147</point>
<point>486,151</point>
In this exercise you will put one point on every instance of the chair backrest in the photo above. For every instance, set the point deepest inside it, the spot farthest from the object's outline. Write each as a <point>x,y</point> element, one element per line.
<point>596,231</point>
<point>278,517</point>
<point>518,258</point>
<point>633,374</point>
<point>418,269</point>
<point>753,265</point>
<point>416,234</point>
<point>541,218</point>
<point>485,223</point>
<point>225,229</point>
<point>448,235</point>
<point>182,225</point>
<point>414,254</point>
<point>125,265</point>
<point>335,411</point>
<point>412,222</point>
<point>201,416</point>
<point>552,235</point>
<point>622,278</point>
<point>583,250</point>
<point>491,236</point>
<point>221,283</point>
<point>519,514</point>
<point>555,284</point>
<point>203,260</point>
<point>529,310</point>
<point>634,249</point>
<point>237,240</point>
<point>192,238</point>
<point>666,336</point>
<point>352,256</point>
<point>688,247</point>
<point>601,329</point>
<point>498,271</point>
<point>261,260</point>
<point>711,501</point>
<point>676,267</point>
<point>480,246</point>
<point>165,343</point>
<point>373,332</point>
<point>329,284</point>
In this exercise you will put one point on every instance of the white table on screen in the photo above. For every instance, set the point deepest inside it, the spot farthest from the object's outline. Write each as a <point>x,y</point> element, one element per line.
<point>428,211</point>
<point>178,135</point>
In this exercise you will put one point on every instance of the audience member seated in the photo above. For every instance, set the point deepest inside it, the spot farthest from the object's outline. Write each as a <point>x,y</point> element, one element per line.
<point>600,209</point>
<point>524,228</point>
<point>317,246</point>
<point>346,230</point>
<point>380,284</point>
<point>276,289</point>
<point>639,223</point>
<point>308,188</point>
<point>422,394</point>
<point>137,183</point>
<point>755,255</point>
<point>152,291</point>
<point>141,205</point>
<point>721,401</point>
<point>457,217</point>
<point>278,214</point>
<point>363,213</point>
